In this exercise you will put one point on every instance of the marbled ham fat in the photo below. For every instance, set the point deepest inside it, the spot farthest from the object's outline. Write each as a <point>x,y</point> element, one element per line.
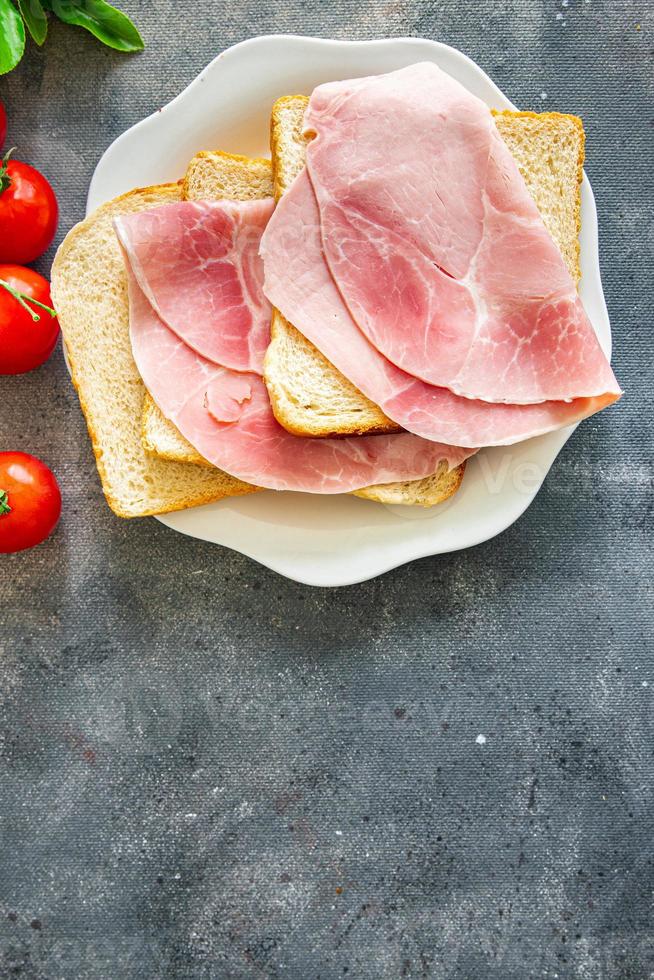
<point>199,266</point>
<point>437,247</point>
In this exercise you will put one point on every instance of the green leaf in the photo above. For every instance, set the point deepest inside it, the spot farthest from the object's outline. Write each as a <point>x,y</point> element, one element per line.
<point>35,19</point>
<point>109,25</point>
<point>12,36</point>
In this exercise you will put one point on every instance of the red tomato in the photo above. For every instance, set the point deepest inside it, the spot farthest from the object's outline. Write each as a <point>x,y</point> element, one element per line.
<point>28,212</point>
<point>30,501</point>
<point>3,125</point>
<point>24,343</point>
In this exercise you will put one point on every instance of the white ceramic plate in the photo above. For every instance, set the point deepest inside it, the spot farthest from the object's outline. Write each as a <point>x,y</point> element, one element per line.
<point>333,540</point>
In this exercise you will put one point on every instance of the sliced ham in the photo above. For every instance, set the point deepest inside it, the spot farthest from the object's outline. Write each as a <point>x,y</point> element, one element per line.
<point>299,284</point>
<point>199,266</point>
<point>226,415</point>
<point>437,247</point>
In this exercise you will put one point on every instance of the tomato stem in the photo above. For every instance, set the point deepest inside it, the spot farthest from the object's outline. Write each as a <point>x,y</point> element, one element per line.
<point>22,297</point>
<point>5,179</point>
<point>4,503</point>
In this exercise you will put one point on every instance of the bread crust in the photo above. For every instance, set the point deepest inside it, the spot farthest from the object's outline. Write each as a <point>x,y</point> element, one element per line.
<point>200,487</point>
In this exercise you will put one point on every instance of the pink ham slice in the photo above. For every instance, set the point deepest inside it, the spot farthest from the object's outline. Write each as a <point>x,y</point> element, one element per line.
<point>199,266</point>
<point>227,417</point>
<point>437,247</point>
<point>299,284</point>
<point>225,402</point>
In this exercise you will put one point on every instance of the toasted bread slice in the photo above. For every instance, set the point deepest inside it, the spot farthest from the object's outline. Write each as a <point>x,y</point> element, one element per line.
<point>212,175</point>
<point>549,148</point>
<point>161,437</point>
<point>89,290</point>
<point>420,493</point>
<point>310,397</point>
<point>217,175</point>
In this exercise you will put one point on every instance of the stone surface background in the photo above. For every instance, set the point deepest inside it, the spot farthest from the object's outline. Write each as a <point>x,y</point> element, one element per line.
<point>211,772</point>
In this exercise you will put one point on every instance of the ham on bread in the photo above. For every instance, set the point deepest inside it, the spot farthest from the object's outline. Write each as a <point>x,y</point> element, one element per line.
<point>224,413</point>
<point>446,302</point>
<point>299,284</point>
<point>452,274</point>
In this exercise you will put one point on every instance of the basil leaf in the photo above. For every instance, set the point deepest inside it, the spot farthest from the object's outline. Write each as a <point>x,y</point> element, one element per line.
<point>12,36</point>
<point>109,25</point>
<point>35,19</point>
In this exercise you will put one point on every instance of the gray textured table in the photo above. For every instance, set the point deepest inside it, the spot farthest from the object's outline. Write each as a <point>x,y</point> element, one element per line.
<point>211,772</point>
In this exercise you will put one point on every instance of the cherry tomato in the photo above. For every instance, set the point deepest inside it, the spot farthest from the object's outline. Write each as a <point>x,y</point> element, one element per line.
<point>28,212</point>
<point>25,343</point>
<point>3,125</point>
<point>30,501</point>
